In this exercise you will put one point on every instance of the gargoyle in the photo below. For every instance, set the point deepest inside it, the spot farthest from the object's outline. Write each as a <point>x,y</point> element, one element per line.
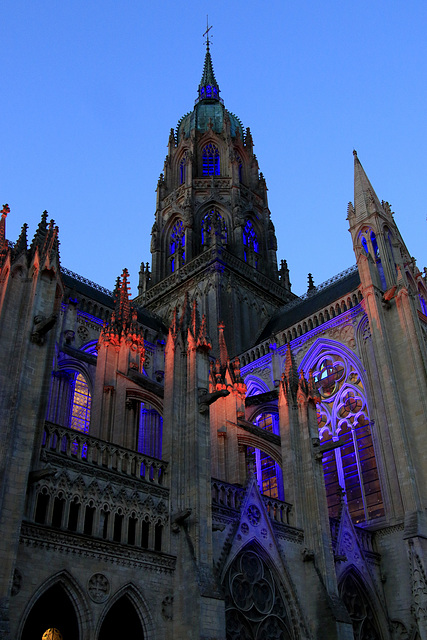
<point>42,326</point>
<point>208,398</point>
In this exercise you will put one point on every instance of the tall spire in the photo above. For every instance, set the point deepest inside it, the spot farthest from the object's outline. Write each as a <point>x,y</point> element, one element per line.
<point>208,87</point>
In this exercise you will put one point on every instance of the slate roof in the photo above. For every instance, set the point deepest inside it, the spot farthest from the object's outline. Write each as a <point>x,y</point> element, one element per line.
<point>103,296</point>
<point>293,312</point>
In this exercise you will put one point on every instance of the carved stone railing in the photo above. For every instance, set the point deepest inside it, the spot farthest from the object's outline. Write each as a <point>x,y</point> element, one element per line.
<point>94,452</point>
<point>225,494</point>
<point>206,258</point>
<point>229,495</point>
<point>278,510</point>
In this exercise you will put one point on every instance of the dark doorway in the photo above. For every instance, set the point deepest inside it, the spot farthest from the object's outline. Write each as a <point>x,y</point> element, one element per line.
<point>53,609</point>
<point>122,621</point>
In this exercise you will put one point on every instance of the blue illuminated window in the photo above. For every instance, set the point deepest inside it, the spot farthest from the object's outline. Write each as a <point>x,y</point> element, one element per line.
<point>150,431</point>
<point>343,416</point>
<point>177,243</point>
<point>250,239</point>
<point>210,161</point>
<point>365,245</point>
<point>378,260</point>
<point>267,471</point>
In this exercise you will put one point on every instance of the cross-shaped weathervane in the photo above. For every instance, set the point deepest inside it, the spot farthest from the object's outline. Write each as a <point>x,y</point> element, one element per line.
<point>208,28</point>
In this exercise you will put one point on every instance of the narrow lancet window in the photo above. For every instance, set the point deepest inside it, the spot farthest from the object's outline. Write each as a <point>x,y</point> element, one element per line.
<point>250,244</point>
<point>80,413</point>
<point>267,471</point>
<point>177,246</point>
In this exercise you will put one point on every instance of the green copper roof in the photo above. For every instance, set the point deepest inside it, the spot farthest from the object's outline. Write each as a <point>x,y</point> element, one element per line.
<point>209,109</point>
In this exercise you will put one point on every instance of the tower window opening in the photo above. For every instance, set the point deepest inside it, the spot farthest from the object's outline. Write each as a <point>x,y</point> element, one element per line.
<point>213,229</point>
<point>250,244</point>
<point>378,260</point>
<point>177,245</point>
<point>210,161</point>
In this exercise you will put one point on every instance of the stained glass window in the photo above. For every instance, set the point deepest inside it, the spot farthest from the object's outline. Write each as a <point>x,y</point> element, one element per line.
<point>80,413</point>
<point>343,416</point>
<point>210,161</point>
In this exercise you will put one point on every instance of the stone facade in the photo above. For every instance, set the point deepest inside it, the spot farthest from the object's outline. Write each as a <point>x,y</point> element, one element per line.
<point>217,458</point>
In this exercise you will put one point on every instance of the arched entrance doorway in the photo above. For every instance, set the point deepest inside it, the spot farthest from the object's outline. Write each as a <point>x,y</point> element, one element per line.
<point>53,610</point>
<point>121,621</point>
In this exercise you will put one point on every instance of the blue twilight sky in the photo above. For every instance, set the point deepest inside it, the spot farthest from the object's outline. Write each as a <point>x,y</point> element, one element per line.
<point>91,89</point>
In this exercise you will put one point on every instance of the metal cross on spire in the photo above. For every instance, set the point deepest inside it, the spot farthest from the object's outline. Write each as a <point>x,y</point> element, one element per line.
<point>206,33</point>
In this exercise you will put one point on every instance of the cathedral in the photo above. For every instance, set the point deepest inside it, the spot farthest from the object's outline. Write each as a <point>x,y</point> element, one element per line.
<point>216,458</point>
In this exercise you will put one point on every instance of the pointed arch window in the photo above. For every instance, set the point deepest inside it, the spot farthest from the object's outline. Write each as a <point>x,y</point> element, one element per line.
<point>214,229</point>
<point>81,405</point>
<point>267,471</point>
<point>150,431</point>
<point>422,301</point>
<point>177,245</point>
<point>210,161</point>
<point>350,470</point>
<point>378,260</point>
<point>250,243</point>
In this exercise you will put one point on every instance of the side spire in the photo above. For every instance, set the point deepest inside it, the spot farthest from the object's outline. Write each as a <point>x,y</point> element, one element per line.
<point>208,87</point>
<point>365,198</point>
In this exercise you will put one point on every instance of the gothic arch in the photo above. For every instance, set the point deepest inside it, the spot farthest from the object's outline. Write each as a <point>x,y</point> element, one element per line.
<point>142,395</point>
<point>130,592</point>
<point>255,385</point>
<point>73,365</point>
<point>363,606</point>
<point>65,582</point>
<point>252,440</point>
<point>276,614</point>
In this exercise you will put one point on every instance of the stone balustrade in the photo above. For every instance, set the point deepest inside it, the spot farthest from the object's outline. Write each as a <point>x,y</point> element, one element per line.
<point>229,495</point>
<point>99,453</point>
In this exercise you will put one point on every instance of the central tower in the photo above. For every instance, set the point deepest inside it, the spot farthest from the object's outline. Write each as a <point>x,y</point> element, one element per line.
<point>213,239</point>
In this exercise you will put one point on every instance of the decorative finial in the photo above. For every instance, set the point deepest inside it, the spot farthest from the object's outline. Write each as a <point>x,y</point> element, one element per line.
<point>355,153</point>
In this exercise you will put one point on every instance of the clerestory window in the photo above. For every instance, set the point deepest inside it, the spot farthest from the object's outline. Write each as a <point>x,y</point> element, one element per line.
<point>350,470</point>
<point>80,411</point>
<point>267,471</point>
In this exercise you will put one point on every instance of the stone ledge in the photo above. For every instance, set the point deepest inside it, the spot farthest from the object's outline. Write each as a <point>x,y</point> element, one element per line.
<point>37,536</point>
